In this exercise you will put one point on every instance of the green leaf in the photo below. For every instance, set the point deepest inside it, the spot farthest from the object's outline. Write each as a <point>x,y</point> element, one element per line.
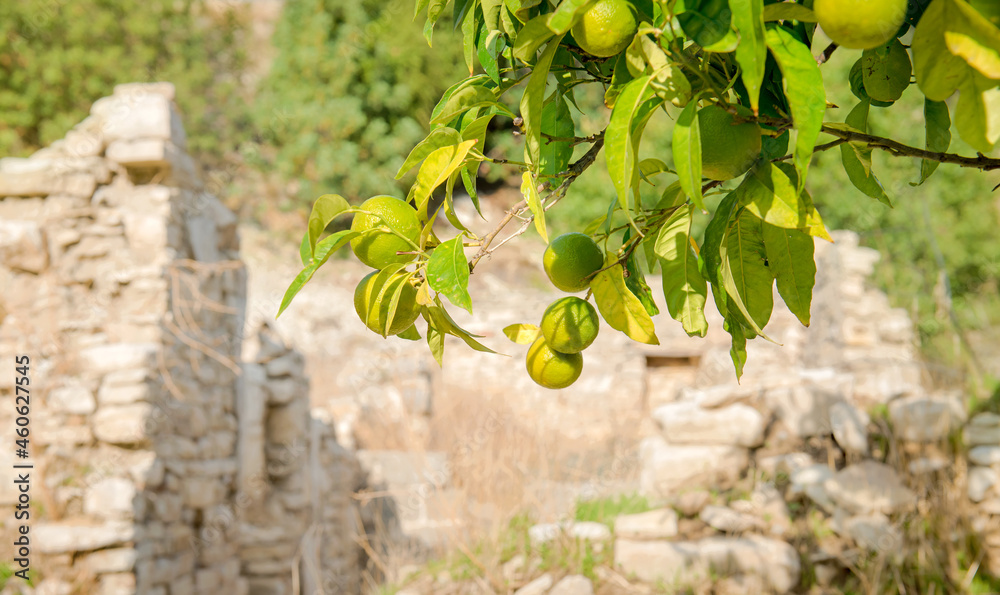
<point>387,300</point>
<point>805,92</point>
<point>533,102</point>
<point>305,250</point>
<point>715,233</point>
<point>788,11</point>
<point>886,71</point>
<point>620,308</point>
<point>738,350</point>
<point>977,115</point>
<point>858,160</point>
<point>437,167</point>
<point>557,121</point>
<point>323,212</point>
<point>745,274</point>
<point>447,324</point>
<point>937,135</point>
<point>522,334</point>
<point>531,37</point>
<point>410,334</point>
<point>435,336</point>
<point>529,189</point>
<point>939,72</point>
<point>434,10</point>
<point>687,153</point>
<point>470,31</point>
<point>706,21</point>
<point>492,43</point>
<point>771,193</point>
<point>566,14</point>
<point>478,79</point>
<point>618,143</point>
<point>321,254</point>
<point>437,138</point>
<point>463,100</point>
<point>751,54</point>
<point>449,200</point>
<point>684,288</point>
<point>790,258</point>
<point>636,283</point>
<point>620,77</point>
<point>448,272</point>
<point>973,38</point>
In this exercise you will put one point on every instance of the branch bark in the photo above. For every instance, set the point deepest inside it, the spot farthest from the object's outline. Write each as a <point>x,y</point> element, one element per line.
<point>550,199</point>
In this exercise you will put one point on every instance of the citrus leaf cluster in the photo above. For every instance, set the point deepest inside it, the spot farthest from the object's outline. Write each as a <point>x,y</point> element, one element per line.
<point>747,97</point>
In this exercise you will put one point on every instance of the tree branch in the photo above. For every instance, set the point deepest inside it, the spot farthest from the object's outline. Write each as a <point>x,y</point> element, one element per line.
<point>822,58</point>
<point>896,148</point>
<point>550,199</point>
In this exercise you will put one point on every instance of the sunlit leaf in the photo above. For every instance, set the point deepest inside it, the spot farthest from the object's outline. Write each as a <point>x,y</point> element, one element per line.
<point>684,288</point>
<point>620,308</point>
<point>805,92</point>
<point>448,272</point>
<point>790,258</point>
<point>687,153</point>
<point>522,334</point>
<point>533,102</point>
<point>751,54</point>
<point>529,190</point>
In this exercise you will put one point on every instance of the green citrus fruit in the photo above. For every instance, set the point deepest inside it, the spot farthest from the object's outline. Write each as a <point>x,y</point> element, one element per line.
<point>606,28</point>
<point>378,248</point>
<point>570,325</point>
<point>552,369</point>
<point>372,299</point>
<point>860,24</point>
<point>728,149</point>
<point>570,259</point>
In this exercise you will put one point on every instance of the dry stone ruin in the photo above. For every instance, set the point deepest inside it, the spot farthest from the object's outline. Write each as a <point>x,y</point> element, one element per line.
<point>182,443</point>
<point>173,452</point>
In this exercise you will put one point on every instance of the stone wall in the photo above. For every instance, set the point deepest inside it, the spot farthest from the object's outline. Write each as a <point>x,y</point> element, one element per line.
<point>163,463</point>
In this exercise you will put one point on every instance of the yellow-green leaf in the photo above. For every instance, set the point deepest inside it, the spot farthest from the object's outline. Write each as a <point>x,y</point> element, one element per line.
<point>522,334</point>
<point>620,308</point>
<point>530,192</point>
<point>684,288</point>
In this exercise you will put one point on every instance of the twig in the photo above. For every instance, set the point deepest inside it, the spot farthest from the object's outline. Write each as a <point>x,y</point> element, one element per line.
<point>574,140</point>
<point>822,58</point>
<point>550,199</point>
<point>816,149</point>
<point>896,148</point>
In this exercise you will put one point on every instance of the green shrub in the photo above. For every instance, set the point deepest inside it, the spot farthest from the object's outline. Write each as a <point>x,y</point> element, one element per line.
<point>348,89</point>
<point>57,57</point>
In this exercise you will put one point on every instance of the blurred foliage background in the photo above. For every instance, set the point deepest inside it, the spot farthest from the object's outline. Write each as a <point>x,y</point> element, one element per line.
<point>343,90</point>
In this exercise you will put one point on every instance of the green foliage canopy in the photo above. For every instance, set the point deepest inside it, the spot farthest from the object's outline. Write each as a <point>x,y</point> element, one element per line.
<point>753,59</point>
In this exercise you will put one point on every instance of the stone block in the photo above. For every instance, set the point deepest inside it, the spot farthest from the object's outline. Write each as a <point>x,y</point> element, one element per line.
<point>575,584</point>
<point>869,487</point>
<point>655,524</point>
<point>138,112</point>
<point>116,584</point>
<point>804,409</point>
<point>202,492</point>
<point>983,428</point>
<point>125,424</point>
<point>850,427</point>
<point>686,422</point>
<point>73,399</point>
<point>121,559</point>
<point>67,537</point>
<point>22,246</point>
<point>110,498</point>
<point>116,394</point>
<point>921,418</point>
<point>102,359</point>
<point>666,468</point>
